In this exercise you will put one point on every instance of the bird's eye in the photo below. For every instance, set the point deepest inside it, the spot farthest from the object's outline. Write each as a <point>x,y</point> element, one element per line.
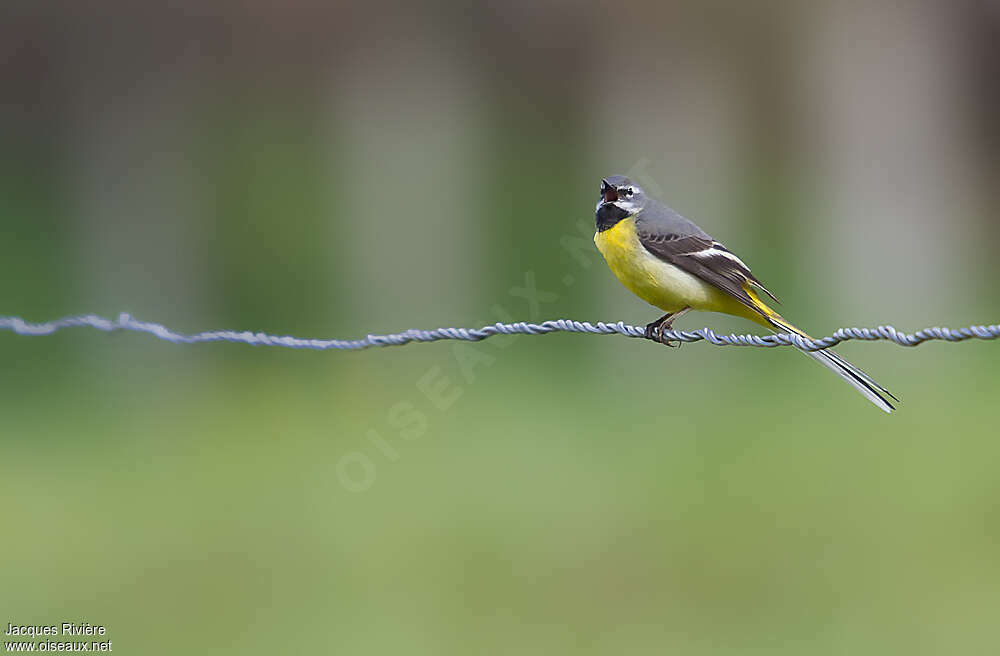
<point>629,191</point>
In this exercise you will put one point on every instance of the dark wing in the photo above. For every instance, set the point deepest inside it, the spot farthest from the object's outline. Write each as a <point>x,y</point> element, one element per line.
<point>706,259</point>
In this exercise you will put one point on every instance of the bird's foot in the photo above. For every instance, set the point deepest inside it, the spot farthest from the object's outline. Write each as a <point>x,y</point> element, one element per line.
<point>654,331</point>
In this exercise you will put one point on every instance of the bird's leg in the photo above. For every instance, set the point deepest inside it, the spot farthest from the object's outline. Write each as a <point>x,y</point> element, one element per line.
<point>664,323</point>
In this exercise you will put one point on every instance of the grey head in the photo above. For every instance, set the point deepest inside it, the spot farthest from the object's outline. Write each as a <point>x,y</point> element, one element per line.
<point>619,194</point>
<point>621,198</point>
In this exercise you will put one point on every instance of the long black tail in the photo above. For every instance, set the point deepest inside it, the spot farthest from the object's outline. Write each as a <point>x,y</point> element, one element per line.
<point>855,377</point>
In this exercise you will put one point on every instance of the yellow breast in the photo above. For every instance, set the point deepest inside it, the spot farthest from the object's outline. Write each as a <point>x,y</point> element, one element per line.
<point>653,280</point>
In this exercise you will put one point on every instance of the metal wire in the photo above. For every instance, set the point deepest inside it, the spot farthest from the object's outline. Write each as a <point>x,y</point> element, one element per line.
<point>128,322</point>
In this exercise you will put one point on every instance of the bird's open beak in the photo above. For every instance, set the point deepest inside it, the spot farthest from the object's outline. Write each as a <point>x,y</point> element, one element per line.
<point>609,191</point>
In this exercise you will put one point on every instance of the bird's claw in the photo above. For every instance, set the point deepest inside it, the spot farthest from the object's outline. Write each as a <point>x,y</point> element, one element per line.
<point>654,332</point>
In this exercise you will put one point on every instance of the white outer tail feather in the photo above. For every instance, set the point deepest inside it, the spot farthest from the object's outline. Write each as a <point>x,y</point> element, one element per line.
<point>853,376</point>
<point>856,378</point>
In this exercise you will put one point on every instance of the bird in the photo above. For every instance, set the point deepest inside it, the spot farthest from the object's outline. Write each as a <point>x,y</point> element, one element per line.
<point>671,263</point>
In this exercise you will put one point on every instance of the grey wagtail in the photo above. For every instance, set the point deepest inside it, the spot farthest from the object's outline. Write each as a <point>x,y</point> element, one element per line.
<point>667,261</point>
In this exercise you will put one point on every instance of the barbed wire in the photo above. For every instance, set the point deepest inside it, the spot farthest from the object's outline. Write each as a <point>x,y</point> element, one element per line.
<point>127,322</point>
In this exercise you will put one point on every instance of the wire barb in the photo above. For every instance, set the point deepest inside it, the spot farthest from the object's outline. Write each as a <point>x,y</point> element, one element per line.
<point>128,322</point>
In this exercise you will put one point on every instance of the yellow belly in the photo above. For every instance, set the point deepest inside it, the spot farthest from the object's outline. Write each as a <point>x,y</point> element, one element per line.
<point>658,283</point>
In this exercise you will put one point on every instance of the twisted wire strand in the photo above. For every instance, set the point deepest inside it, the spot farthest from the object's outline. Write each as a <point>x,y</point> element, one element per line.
<point>126,321</point>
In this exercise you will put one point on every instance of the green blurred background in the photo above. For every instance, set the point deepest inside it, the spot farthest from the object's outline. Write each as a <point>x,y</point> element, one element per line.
<point>338,169</point>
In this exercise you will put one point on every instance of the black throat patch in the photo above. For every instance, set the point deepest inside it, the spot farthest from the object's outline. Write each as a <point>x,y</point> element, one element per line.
<point>608,216</point>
